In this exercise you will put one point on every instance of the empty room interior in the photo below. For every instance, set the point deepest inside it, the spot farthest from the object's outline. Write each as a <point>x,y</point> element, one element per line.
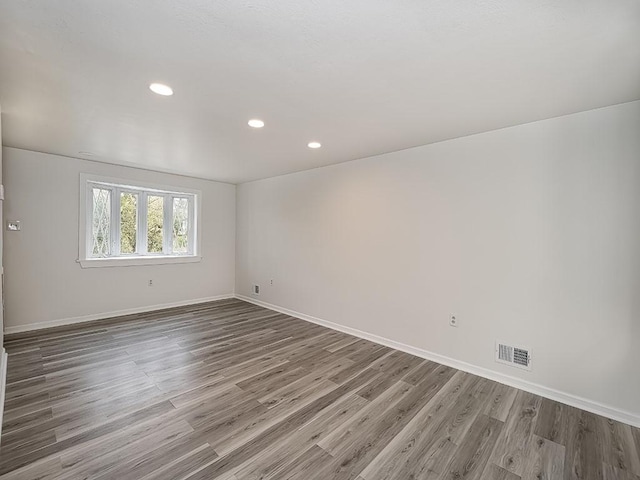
<point>362,240</point>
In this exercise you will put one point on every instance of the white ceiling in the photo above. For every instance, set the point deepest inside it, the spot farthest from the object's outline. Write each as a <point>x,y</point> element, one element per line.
<point>361,76</point>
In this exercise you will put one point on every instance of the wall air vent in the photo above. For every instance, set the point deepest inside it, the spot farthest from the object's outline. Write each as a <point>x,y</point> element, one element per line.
<point>519,357</point>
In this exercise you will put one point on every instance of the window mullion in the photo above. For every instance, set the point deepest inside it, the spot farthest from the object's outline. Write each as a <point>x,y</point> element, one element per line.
<point>89,221</point>
<point>115,222</point>
<point>191,228</point>
<point>167,225</point>
<point>142,223</point>
<point>138,223</point>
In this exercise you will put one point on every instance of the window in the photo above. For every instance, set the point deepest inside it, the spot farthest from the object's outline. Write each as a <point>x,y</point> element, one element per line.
<point>131,224</point>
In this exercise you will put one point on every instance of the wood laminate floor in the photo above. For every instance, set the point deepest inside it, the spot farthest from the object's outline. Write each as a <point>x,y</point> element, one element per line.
<point>229,390</point>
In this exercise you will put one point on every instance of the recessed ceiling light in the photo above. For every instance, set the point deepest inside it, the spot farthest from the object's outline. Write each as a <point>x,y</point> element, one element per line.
<point>161,89</point>
<point>256,123</point>
<point>314,145</point>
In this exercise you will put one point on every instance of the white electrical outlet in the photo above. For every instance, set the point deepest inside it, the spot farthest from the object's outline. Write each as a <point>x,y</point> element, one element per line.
<point>453,320</point>
<point>151,283</point>
<point>256,289</point>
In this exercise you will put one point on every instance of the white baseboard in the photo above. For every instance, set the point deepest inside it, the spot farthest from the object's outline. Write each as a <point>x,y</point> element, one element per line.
<point>3,383</point>
<point>550,393</point>
<point>118,313</point>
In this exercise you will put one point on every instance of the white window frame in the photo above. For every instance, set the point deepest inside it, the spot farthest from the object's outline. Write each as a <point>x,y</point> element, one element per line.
<point>142,189</point>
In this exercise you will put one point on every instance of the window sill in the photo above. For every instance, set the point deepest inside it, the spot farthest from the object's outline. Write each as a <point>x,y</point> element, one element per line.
<point>137,261</point>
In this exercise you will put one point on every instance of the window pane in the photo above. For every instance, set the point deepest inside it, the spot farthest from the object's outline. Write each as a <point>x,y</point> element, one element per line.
<point>155,211</point>
<point>101,225</point>
<point>128,222</point>
<point>180,225</point>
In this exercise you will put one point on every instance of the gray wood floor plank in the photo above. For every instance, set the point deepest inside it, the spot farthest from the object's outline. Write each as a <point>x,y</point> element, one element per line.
<point>271,462</point>
<point>239,456</point>
<point>344,342</point>
<point>46,469</point>
<point>77,464</point>
<point>424,446</point>
<point>181,448</point>
<point>612,473</point>
<point>182,467</point>
<point>512,449</point>
<point>553,421</point>
<point>472,455</point>
<point>501,402</point>
<point>306,465</point>
<point>494,472</point>
<point>353,459</point>
<point>584,458</point>
<point>25,421</point>
<point>545,460</point>
<point>618,446</point>
<point>365,421</point>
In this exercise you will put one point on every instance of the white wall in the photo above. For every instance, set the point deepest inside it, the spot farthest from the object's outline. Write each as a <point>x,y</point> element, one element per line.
<point>529,234</point>
<point>43,281</point>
